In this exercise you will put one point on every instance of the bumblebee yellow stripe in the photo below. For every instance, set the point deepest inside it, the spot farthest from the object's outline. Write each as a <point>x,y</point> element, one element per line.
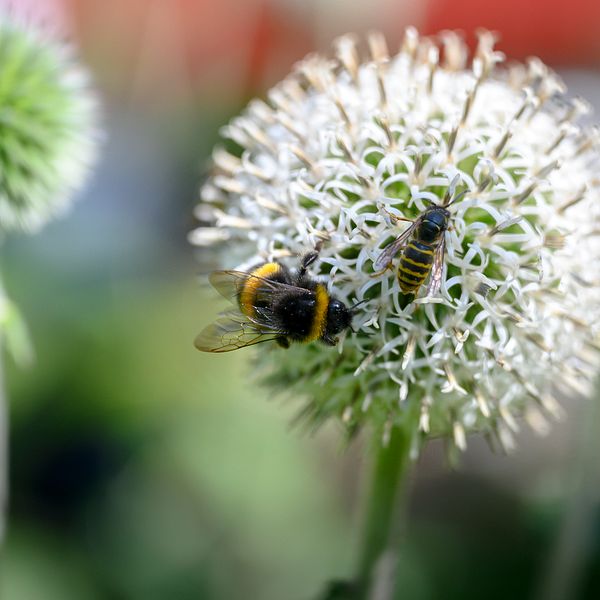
<point>251,285</point>
<point>317,329</point>
<point>414,247</point>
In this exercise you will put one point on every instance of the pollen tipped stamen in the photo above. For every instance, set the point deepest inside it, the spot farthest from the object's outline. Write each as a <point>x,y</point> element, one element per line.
<point>501,144</point>
<point>348,55</point>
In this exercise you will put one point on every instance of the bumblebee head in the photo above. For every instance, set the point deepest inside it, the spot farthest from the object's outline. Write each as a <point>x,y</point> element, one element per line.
<point>339,317</point>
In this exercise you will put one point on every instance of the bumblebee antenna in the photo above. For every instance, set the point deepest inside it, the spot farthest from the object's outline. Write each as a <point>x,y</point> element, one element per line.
<point>355,306</point>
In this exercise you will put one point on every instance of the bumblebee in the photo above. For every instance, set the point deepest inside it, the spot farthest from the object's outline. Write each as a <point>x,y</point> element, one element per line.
<point>274,305</point>
<point>423,246</point>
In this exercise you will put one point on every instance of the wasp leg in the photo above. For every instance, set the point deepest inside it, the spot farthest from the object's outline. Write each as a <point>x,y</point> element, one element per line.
<point>382,271</point>
<point>394,217</point>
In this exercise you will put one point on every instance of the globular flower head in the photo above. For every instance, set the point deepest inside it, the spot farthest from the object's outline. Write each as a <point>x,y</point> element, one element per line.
<point>48,121</point>
<point>345,147</point>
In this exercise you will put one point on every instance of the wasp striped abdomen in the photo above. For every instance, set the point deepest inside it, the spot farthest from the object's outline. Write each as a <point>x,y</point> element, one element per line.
<point>421,249</point>
<point>415,265</point>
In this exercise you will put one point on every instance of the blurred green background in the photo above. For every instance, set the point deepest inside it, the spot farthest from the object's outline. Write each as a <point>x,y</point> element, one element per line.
<point>142,469</point>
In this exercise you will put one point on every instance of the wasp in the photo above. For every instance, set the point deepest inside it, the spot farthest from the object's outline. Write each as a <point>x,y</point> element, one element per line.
<point>274,304</point>
<point>422,246</point>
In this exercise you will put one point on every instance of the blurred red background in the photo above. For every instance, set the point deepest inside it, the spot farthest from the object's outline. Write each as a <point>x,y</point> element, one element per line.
<point>165,49</point>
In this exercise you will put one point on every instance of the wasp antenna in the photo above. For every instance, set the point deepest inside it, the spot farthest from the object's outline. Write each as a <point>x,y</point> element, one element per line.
<point>457,198</point>
<point>451,189</point>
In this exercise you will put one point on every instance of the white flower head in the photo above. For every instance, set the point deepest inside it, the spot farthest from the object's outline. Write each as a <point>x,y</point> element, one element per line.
<point>342,149</point>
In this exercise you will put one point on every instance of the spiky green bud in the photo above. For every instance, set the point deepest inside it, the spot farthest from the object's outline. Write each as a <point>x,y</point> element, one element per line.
<point>47,126</point>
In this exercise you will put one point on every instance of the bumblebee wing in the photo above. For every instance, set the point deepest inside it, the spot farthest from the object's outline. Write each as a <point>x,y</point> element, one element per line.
<point>437,269</point>
<point>231,283</point>
<point>228,283</point>
<point>232,331</point>
<point>385,258</point>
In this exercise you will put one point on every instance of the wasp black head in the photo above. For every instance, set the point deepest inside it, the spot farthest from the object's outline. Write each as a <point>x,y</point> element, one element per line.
<point>433,223</point>
<point>339,317</point>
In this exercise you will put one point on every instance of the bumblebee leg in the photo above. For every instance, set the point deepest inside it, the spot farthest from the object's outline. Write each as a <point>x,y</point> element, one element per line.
<point>308,259</point>
<point>283,342</point>
<point>330,341</point>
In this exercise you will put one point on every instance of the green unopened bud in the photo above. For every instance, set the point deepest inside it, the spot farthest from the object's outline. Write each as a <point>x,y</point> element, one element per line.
<point>47,126</point>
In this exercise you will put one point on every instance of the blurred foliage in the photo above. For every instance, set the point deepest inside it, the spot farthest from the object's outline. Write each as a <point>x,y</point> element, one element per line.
<point>149,469</point>
<point>158,468</point>
<point>15,333</point>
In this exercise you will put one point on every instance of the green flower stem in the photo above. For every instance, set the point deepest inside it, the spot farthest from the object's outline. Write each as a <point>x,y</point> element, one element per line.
<point>389,476</point>
<point>569,555</point>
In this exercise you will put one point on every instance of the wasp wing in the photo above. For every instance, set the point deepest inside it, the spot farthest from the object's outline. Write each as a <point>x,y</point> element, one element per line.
<point>232,331</point>
<point>437,269</point>
<point>389,252</point>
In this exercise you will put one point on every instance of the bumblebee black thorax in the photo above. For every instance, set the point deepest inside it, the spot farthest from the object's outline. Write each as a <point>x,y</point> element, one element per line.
<point>294,313</point>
